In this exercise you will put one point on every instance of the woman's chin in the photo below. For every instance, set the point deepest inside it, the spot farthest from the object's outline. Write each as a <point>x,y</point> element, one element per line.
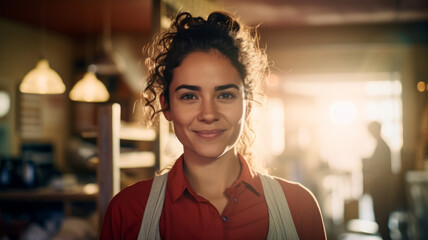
<point>212,153</point>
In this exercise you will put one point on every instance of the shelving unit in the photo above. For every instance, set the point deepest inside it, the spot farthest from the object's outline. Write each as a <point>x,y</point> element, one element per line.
<point>111,131</point>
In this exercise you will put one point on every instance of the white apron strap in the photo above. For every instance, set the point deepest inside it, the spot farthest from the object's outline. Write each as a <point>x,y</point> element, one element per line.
<point>281,224</point>
<point>149,229</point>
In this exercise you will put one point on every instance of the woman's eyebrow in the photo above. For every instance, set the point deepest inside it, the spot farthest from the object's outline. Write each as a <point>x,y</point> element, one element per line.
<point>189,87</point>
<point>197,88</point>
<point>227,86</point>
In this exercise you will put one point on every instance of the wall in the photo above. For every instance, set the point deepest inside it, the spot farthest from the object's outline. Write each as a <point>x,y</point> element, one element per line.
<point>20,48</point>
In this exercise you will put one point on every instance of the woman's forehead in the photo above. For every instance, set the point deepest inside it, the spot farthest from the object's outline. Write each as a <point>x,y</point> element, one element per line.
<point>206,68</point>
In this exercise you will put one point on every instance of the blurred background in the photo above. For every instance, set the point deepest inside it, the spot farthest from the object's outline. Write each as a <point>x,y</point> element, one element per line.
<point>72,135</point>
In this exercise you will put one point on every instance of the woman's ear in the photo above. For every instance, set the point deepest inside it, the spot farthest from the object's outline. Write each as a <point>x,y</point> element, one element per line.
<point>165,107</point>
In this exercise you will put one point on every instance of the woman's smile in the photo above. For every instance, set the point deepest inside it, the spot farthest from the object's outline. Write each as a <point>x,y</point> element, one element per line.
<point>209,134</point>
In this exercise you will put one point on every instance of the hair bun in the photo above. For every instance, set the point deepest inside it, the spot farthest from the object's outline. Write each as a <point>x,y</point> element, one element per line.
<point>185,20</point>
<point>223,20</point>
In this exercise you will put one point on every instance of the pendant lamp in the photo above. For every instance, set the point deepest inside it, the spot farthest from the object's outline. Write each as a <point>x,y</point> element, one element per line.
<point>89,89</point>
<point>42,80</point>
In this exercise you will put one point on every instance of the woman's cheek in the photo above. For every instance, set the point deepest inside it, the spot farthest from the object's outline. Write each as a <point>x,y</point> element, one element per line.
<point>183,113</point>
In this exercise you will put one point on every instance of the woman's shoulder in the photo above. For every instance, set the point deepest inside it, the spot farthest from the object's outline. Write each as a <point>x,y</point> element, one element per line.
<point>304,209</point>
<point>137,193</point>
<point>125,211</point>
<point>295,191</point>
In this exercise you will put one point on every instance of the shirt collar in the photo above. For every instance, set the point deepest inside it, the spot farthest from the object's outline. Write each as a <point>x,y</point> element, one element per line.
<point>178,183</point>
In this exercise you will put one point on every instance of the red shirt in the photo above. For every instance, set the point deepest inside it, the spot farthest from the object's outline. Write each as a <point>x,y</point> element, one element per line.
<point>186,215</point>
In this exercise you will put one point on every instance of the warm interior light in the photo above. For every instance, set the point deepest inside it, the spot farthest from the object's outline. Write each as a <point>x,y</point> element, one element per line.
<point>89,89</point>
<point>421,86</point>
<point>42,80</point>
<point>4,103</point>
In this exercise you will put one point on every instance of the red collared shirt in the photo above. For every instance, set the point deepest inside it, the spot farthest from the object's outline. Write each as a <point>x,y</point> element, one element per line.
<point>186,215</point>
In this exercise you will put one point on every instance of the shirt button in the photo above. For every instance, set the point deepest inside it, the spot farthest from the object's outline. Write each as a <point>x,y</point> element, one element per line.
<point>235,200</point>
<point>224,218</point>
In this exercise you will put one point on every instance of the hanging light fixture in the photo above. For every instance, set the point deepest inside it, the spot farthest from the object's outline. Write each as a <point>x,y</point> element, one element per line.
<point>89,88</point>
<point>108,61</point>
<point>42,80</point>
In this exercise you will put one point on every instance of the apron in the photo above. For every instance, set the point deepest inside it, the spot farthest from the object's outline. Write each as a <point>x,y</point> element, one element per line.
<point>281,225</point>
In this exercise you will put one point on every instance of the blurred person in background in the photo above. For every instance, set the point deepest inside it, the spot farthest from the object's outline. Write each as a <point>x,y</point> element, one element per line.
<point>204,76</point>
<point>379,179</point>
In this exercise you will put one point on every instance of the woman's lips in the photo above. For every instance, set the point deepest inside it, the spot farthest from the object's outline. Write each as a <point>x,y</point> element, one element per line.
<point>209,134</point>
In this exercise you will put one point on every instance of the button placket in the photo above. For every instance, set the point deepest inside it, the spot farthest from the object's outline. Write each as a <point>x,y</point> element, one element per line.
<point>230,208</point>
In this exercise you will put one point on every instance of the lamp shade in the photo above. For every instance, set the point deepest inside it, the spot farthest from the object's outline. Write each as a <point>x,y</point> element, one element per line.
<point>42,80</point>
<point>89,89</point>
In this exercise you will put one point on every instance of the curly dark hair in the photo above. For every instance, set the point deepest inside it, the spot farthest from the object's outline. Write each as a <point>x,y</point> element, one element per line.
<point>221,32</point>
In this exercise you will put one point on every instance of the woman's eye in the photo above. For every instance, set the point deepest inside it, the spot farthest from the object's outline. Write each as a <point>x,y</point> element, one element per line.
<point>227,95</point>
<point>188,96</point>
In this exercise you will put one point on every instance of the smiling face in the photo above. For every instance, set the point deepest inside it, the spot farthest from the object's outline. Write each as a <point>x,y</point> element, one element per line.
<point>207,105</point>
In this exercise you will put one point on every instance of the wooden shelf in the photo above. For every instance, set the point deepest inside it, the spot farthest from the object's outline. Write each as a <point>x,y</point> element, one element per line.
<point>417,177</point>
<point>137,160</point>
<point>48,195</point>
<point>128,131</point>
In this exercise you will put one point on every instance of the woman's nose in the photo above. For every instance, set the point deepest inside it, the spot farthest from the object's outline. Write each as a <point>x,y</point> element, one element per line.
<point>208,112</point>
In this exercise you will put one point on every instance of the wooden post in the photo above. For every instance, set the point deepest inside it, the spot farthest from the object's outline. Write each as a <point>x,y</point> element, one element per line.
<point>108,153</point>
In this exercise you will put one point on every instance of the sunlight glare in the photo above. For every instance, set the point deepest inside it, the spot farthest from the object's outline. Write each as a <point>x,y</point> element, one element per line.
<point>276,110</point>
<point>342,112</point>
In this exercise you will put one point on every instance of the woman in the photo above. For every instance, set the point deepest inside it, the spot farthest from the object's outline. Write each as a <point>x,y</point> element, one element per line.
<point>205,74</point>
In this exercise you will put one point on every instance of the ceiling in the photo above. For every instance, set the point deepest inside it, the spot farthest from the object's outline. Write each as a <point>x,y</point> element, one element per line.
<point>85,17</point>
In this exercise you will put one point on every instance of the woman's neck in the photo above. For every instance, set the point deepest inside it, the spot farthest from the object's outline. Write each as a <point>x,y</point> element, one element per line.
<point>210,177</point>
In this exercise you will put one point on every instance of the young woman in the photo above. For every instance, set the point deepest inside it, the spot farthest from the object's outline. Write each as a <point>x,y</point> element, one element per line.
<point>205,75</point>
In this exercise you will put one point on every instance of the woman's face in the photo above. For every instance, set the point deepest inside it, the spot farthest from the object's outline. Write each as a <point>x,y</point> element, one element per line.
<point>207,106</point>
